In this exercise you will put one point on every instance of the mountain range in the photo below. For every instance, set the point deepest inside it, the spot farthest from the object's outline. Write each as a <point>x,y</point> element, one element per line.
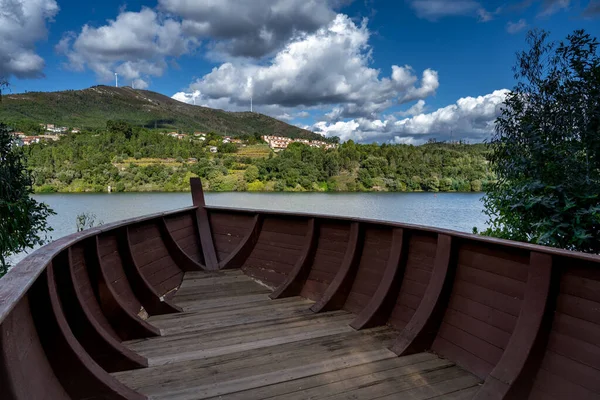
<point>91,108</point>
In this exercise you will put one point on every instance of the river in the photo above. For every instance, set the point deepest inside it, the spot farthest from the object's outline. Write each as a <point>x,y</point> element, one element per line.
<point>457,211</point>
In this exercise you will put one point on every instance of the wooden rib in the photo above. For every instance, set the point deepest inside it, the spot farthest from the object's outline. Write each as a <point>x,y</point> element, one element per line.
<point>338,290</point>
<point>514,373</point>
<point>100,344</point>
<point>294,282</point>
<point>128,325</point>
<point>183,261</point>
<point>143,290</point>
<point>239,255</point>
<point>419,333</point>
<point>204,230</point>
<point>78,373</point>
<point>25,372</point>
<point>382,303</point>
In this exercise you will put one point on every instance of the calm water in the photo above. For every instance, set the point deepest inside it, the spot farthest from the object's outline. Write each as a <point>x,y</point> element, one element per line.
<point>458,211</point>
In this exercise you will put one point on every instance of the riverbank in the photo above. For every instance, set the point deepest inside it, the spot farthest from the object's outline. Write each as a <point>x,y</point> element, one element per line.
<point>255,187</point>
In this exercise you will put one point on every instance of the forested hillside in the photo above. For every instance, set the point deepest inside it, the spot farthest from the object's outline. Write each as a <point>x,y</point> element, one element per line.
<point>91,108</point>
<point>148,161</point>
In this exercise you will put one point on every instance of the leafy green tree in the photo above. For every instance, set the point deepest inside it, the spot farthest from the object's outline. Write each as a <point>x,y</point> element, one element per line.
<point>251,173</point>
<point>546,150</point>
<point>365,178</point>
<point>120,127</point>
<point>23,222</point>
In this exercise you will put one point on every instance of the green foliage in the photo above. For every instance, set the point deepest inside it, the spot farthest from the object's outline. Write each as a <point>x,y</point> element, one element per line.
<point>120,128</point>
<point>22,220</point>
<point>87,220</point>
<point>149,161</point>
<point>251,173</point>
<point>546,151</point>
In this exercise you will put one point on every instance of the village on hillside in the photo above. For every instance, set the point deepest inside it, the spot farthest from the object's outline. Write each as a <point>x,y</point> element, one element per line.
<point>276,143</point>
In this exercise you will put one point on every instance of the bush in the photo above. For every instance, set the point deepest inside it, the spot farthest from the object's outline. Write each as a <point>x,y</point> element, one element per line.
<point>546,150</point>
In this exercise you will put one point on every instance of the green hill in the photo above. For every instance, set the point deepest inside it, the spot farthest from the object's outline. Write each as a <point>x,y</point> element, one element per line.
<point>91,108</point>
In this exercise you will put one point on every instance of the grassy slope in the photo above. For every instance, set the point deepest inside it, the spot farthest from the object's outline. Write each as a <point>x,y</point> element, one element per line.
<point>91,108</point>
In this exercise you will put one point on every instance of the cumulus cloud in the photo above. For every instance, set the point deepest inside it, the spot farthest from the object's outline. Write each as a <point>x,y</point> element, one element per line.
<point>250,28</point>
<point>434,10</point>
<point>471,118</point>
<point>22,25</point>
<point>135,45</point>
<point>515,27</point>
<point>329,67</point>
<point>417,108</point>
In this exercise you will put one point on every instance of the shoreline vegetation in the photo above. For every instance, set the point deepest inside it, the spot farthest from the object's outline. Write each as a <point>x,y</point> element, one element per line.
<point>133,159</point>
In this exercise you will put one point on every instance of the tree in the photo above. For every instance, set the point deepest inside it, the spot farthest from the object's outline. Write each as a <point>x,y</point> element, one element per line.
<point>251,174</point>
<point>546,149</point>
<point>22,219</point>
<point>120,128</point>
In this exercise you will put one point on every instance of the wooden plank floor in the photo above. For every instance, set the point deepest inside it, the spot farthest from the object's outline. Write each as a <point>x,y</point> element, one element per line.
<point>233,342</point>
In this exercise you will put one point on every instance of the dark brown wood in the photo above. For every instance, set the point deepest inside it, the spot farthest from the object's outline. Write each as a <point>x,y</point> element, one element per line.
<point>143,290</point>
<point>239,255</point>
<point>25,372</point>
<point>296,279</point>
<point>428,229</point>
<point>336,294</point>
<point>502,381</point>
<point>78,373</point>
<point>504,315</point>
<point>381,304</point>
<point>127,324</point>
<point>419,333</point>
<point>108,352</point>
<point>204,230</point>
<point>181,258</point>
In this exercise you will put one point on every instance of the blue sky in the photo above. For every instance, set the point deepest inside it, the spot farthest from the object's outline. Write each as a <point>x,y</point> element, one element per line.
<point>370,70</point>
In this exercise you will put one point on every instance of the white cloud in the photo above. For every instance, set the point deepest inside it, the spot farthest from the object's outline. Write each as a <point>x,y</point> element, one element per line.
<point>550,7</point>
<point>434,10</point>
<point>22,25</point>
<point>416,109</point>
<point>329,67</point>
<point>135,44</point>
<point>139,84</point>
<point>515,27</point>
<point>250,28</point>
<point>470,118</point>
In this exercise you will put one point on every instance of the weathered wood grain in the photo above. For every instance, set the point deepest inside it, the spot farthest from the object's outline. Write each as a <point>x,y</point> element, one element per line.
<point>279,353</point>
<point>102,346</point>
<point>204,230</point>
<point>150,299</point>
<point>294,282</point>
<point>243,250</point>
<point>25,372</point>
<point>336,294</point>
<point>181,258</point>
<point>125,322</point>
<point>419,333</point>
<point>381,304</point>
<point>510,378</point>
<point>78,373</point>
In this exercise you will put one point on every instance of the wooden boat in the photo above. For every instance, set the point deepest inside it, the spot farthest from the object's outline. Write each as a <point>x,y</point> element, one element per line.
<point>210,302</point>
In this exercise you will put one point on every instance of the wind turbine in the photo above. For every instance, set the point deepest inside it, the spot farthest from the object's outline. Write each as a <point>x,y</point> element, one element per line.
<point>116,80</point>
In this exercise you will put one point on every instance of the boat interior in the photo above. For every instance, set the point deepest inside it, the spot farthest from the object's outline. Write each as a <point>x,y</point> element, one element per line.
<point>219,303</point>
